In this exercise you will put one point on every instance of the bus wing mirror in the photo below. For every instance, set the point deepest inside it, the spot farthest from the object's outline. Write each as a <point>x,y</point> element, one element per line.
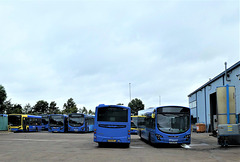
<point>153,115</point>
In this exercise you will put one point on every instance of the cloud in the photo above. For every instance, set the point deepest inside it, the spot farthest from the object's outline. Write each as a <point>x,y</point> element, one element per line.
<point>91,51</point>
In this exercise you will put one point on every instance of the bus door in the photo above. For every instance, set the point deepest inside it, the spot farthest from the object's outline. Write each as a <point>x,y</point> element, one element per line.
<point>24,124</point>
<point>86,125</point>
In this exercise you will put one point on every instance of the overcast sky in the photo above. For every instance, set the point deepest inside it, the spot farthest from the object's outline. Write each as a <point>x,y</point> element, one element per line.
<point>91,50</point>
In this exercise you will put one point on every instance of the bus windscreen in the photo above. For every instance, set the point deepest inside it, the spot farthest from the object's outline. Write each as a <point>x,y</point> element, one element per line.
<point>112,114</point>
<point>173,119</point>
<point>14,120</point>
<point>56,121</point>
<point>76,120</point>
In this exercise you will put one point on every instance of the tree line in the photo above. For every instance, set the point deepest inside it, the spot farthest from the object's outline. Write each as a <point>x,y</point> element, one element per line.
<point>43,107</point>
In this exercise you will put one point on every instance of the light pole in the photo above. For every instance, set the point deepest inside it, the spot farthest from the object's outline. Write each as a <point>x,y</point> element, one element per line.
<point>159,100</point>
<point>130,91</point>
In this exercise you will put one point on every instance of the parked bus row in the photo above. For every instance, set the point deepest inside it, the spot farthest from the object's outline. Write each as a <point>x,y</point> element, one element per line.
<point>53,123</point>
<point>114,124</point>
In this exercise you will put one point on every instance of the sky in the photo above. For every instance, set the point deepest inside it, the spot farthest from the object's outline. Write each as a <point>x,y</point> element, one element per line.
<point>108,52</point>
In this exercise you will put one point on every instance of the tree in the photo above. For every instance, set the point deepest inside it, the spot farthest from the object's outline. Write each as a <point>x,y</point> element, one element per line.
<point>16,109</point>
<point>12,108</point>
<point>27,109</point>
<point>120,104</point>
<point>70,107</point>
<point>136,105</point>
<point>53,109</point>
<point>8,106</point>
<point>41,107</point>
<point>90,112</point>
<point>84,110</point>
<point>3,97</point>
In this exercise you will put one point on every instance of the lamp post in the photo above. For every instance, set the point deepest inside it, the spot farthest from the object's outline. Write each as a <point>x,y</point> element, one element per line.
<point>159,100</point>
<point>130,91</point>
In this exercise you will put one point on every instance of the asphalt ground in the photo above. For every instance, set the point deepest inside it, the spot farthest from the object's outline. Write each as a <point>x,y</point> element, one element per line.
<point>44,146</point>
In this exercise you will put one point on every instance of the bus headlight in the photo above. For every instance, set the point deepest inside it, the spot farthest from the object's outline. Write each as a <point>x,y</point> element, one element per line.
<point>187,137</point>
<point>159,136</point>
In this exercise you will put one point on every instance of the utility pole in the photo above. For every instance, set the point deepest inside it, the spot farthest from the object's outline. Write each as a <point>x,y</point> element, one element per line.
<point>159,100</point>
<point>130,91</point>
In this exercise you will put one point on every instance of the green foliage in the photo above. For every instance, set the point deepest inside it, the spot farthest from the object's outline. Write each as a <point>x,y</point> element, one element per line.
<point>3,97</point>
<point>120,104</point>
<point>136,105</point>
<point>53,109</point>
<point>12,108</point>
<point>84,110</point>
<point>41,107</point>
<point>90,112</point>
<point>70,107</point>
<point>27,109</point>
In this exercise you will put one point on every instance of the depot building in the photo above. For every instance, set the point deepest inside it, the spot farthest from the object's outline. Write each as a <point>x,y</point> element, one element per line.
<point>204,101</point>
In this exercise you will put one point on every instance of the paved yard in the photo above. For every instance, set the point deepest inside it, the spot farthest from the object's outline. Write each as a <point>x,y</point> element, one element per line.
<point>44,146</point>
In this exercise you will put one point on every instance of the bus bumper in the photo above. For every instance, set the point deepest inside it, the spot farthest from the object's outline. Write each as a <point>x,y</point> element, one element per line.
<point>125,139</point>
<point>168,140</point>
<point>56,129</point>
<point>134,131</point>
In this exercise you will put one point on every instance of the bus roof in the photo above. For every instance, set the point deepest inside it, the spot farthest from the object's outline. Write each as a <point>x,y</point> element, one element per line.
<point>26,115</point>
<point>120,106</point>
<point>151,109</point>
<point>85,115</point>
<point>58,115</point>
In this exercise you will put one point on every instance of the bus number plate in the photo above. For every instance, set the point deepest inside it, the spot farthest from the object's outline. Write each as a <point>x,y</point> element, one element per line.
<point>75,130</point>
<point>111,140</point>
<point>173,141</point>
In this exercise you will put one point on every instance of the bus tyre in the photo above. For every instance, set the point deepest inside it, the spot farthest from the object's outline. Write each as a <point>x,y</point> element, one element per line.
<point>140,134</point>
<point>127,145</point>
<point>28,129</point>
<point>100,144</point>
<point>149,138</point>
<point>36,129</point>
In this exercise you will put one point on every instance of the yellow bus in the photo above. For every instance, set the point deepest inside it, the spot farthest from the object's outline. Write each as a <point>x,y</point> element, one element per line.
<point>24,123</point>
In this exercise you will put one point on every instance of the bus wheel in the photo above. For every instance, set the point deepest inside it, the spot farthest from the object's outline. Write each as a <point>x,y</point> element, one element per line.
<point>100,144</point>
<point>28,129</point>
<point>36,129</point>
<point>149,138</point>
<point>140,134</point>
<point>127,145</point>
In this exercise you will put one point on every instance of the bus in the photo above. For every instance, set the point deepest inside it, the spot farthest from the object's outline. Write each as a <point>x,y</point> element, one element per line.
<point>112,124</point>
<point>24,123</point>
<point>134,124</point>
<point>57,123</point>
<point>3,122</point>
<point>167,125</point>
<point>45,119</point>
<point>137,123</point>
<point>80,122</point>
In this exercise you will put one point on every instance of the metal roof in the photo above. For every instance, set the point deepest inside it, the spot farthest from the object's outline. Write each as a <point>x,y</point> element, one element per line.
<point>216,78</point>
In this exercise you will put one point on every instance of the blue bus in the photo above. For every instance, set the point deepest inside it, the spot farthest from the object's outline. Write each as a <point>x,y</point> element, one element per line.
<point>80,122</point>
<point>137,123</point>
<point>24,123</point>
<point>57,123</point>
<point>112,124</point>
<point>166,124</point>
<point>45,119</point>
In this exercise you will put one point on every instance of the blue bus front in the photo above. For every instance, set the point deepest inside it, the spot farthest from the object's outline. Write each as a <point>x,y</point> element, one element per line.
<point>57,123</point>
<point>76,123</point>
<point>173,125</point>
<point>112,124</point>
